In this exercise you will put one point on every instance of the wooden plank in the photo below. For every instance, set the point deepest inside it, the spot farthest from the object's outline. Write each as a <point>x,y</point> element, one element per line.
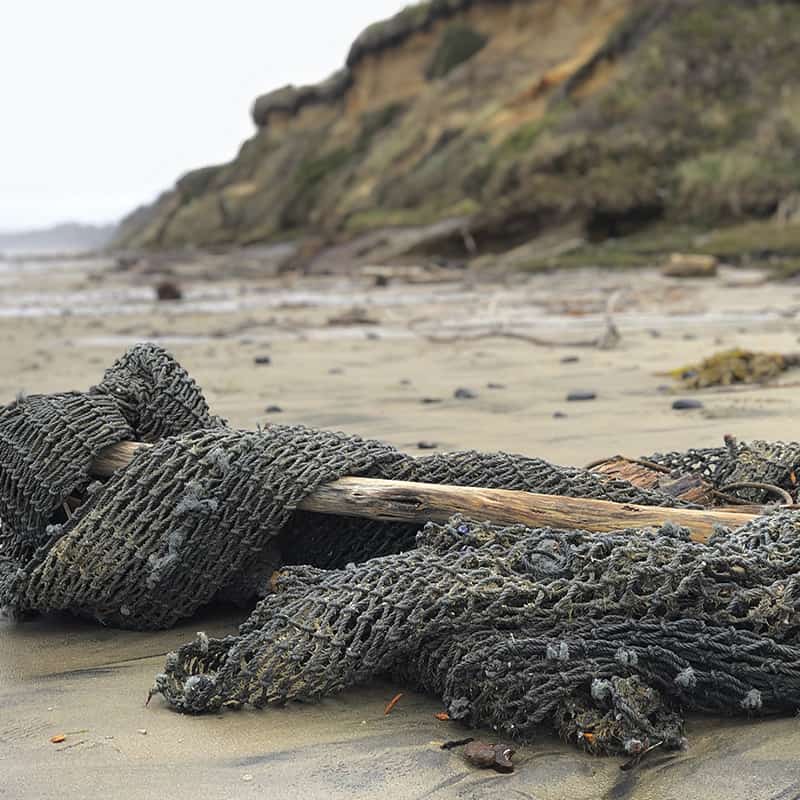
<point>405,501</point>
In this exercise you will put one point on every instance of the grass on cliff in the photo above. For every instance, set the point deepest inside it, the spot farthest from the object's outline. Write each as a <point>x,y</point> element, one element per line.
<point>458,44</point>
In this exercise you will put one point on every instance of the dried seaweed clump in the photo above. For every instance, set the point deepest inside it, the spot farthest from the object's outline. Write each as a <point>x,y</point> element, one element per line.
<point>734,366</point>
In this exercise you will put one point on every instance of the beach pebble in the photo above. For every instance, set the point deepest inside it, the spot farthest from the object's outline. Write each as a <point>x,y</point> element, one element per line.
<point>168,290</point>
<point>570,360</point>
<point>490,756</point>
<point>423,445</point>
<point>495,386</point>
<point>464,394</point>
<point>273,409</point>
<point>559,415</point>
<point>573,397</point>
<point>686,403</point>
<point>429,400</point>
<point>262,360</point>
<point>247,778</point>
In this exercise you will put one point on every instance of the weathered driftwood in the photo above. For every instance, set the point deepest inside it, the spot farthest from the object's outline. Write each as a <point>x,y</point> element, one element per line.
<point>419,502</point>
<point>648,475</point>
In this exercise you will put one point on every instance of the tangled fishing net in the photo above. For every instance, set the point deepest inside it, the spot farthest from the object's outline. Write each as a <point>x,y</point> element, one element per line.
<point>605,637</point>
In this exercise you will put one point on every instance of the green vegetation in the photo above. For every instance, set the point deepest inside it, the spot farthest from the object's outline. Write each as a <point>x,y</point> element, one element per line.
<point>423,215</point>
<point>373,122</point>
<point>196,183</point>
<point>458,44</point>
<point>313,170</point>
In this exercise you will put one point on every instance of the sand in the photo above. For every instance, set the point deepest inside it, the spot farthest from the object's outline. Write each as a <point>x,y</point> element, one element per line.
<point>63,322</point>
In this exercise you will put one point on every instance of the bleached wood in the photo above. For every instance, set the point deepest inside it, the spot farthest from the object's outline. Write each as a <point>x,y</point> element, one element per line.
<point>405,501</point>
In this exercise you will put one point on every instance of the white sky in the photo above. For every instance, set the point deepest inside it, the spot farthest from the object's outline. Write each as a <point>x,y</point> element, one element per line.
<point>104,103</point>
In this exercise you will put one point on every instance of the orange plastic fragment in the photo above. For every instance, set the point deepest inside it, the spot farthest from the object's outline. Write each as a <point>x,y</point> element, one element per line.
<point>392,704</point>
<point>58,738</point>
<point>442,715</point>
<point>589,737</point>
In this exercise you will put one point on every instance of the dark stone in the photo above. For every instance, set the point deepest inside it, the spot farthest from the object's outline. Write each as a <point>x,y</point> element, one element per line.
<point>464,394</point>
<point>495,386</point>
<point>570,360</point>
<point>686,403</point>
<point>559,415</point>
<point>273,409</point>
<point>574,397</point>
<point>335,371</point>
<point>494,756</point>
<point>405,382</point>
<point>168,290</point>
<point>429,400</point>
<point>427,445</point>
<point>262,361</point>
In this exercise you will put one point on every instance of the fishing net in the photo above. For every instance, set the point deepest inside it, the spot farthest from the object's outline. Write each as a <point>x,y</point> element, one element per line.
<point>604,636</point>
<point>773,463</point>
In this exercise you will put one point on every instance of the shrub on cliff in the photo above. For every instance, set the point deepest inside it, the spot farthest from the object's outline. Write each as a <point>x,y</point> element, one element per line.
<point>457,45</point>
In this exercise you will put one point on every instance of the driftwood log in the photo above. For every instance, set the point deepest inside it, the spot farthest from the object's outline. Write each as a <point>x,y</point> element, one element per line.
<point>420,502</point>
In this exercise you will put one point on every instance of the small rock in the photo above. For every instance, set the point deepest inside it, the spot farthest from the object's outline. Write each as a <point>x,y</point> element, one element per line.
<point>429,400</point>
<point>495,386</point>
<point>464,394</point>
<point>168,290</point>
<point>273,410</point>
<point>262,360</point>
<point>247,778</point>
<point>405,382</point>
<point>686,403</point>
<point>355,316</point>
<point>142,731</point>
<point>574,397</point>
<point>372,335</point>
<point>559,415</point>
<point>494,756</point>
<point>427,445</point>
<point>689,265</point>
<point>570,360</point>
<point>335,371</point>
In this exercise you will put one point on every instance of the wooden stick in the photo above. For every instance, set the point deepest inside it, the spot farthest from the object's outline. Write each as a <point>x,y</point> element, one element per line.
<point>404,501</point>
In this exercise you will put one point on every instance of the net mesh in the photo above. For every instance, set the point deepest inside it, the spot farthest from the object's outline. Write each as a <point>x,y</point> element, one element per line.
<point>605,637</point>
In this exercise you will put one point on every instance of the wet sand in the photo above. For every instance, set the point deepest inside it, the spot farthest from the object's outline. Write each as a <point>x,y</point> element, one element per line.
<point>62,324</point>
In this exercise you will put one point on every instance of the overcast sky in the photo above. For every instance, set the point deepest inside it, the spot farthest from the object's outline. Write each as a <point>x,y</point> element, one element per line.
<point>106,102</point>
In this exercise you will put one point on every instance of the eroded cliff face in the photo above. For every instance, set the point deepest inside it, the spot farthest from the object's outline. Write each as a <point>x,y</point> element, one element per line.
<point>514,116</point>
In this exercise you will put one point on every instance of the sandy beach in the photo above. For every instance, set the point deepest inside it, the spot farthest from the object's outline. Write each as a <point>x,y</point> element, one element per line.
<point>390,373</point>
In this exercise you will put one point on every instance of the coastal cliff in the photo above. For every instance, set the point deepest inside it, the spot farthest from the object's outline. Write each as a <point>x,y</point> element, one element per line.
<point>500,121</point>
